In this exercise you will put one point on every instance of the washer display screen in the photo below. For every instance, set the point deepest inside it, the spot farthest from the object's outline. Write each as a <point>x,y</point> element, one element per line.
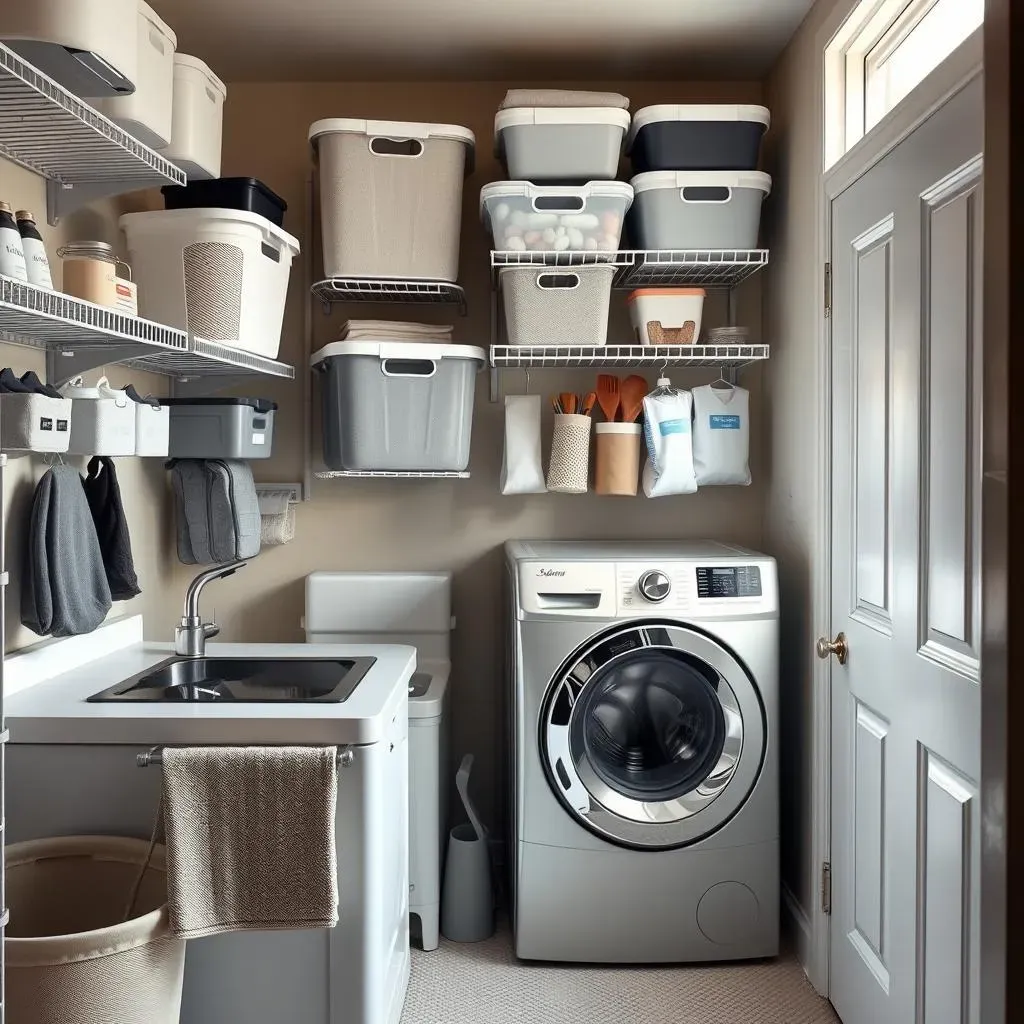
<point>729,581</point>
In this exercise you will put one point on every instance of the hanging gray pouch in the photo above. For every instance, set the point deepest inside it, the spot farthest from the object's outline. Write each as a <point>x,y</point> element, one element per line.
<point>218,516</point>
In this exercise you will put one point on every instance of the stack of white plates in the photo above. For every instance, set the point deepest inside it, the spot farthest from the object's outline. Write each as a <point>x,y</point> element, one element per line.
<point>729,336</point>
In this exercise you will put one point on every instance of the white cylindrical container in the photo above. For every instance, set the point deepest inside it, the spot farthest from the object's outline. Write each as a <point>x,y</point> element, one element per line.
<point>89,272</point>
<point>37,263</point>
<point>568,470</point>
<point>12,255</point>
<point>198,118</point>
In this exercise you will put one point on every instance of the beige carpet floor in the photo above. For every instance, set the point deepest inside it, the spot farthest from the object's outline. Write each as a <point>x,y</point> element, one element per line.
<point>483,983</point>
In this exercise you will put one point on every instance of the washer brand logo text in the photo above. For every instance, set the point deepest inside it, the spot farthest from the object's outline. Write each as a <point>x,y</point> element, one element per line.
<point>550,572</point>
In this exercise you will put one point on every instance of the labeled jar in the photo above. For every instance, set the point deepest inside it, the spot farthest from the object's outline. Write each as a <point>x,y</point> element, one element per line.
<point>12,255</point>
<point>89,271</point>
<point>37,263</point>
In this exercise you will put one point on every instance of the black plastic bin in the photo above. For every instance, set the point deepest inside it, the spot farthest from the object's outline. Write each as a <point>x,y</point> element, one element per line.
<point>704,137</point>
<point>227,194</point>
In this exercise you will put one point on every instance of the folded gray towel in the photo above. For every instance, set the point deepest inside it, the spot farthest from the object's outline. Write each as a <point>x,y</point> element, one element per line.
<point>64,589</point>
<point>562,98</point>
<point>250,834</point>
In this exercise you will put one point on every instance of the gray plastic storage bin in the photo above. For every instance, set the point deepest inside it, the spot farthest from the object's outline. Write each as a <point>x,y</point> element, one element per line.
<point>697,209</point>
<point>399,406</point>
<point>564,145</point>
<point>557,306</point>
<point>221,428</point>
<point>391,197</point>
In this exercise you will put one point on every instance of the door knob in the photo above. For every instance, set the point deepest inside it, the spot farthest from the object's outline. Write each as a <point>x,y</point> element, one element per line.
<point>826,647</point>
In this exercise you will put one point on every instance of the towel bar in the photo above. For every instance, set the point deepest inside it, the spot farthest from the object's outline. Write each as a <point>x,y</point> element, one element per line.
<point>346,756</point>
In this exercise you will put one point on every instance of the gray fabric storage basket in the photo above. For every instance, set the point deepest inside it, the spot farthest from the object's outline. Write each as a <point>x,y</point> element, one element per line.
<point>70,959</point>
<point>697,209</point>
<point>398,406</point>
<point>221,428</point>
<point>391,197</point>
<point>557,305</point>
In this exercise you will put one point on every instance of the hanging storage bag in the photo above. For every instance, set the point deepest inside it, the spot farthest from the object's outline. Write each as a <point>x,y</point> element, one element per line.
<point>521,471</point>
<point>721,434</point>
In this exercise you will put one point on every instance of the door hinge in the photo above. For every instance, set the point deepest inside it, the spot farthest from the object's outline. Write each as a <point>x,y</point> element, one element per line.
<point>828,289</point>
<point>826,888</point>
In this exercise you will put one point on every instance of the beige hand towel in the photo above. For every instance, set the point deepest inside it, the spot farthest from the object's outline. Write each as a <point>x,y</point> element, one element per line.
<point>250,838</point>
<point>562,98</point>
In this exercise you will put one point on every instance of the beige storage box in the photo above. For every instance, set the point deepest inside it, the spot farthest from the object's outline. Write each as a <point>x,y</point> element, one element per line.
<point>391,197</point>
<point>197,123</point>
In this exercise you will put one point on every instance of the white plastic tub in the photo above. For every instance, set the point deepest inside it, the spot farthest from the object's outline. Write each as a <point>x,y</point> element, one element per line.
<point>88,46</point>
<point>102,419</point>
<point>391,197</point>
<point>698,209</point>
<point>560,144</point>
<point>197,123</point>
<point>666,316</point>
<point>398,406</point>
<point>221,275</point>
<point>522,216</point>
<point>148,112</point>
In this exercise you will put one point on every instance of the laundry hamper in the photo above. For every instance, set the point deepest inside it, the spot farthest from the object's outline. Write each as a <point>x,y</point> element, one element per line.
<point>70,959</point>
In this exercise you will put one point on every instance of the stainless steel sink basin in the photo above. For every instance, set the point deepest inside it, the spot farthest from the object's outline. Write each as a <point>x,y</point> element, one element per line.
<point>253,680</point>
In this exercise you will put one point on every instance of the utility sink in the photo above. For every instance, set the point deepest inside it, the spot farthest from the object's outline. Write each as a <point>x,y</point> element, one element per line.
<point>253,680</point>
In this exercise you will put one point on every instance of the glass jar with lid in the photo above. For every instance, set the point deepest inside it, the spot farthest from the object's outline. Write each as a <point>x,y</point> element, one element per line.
<point>89,271</point>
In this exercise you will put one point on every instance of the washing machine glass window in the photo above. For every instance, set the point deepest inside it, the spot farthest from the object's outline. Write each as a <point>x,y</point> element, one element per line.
<point>653,735</point>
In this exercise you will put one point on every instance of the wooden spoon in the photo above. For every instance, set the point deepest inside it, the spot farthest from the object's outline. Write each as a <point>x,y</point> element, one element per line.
<point>567,400</point>
<point>633,390</point>
<point>608,395</point>
<point>588,403</point>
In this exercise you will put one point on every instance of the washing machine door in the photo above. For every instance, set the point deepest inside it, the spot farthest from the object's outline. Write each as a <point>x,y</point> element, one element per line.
<point>652,735</point>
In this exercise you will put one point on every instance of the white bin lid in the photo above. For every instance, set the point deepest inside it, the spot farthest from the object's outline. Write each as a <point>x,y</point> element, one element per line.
<point>527,190</point>
<point>391,129</point>
<point>398,350</point>
<point>186,60</point>
<point>701,179</point>
<point>517,117</point>
<point>159,220</point>
<point>697,112</point>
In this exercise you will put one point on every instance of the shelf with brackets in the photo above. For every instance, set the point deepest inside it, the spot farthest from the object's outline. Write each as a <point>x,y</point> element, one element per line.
<point>552,356</point>
<point>83,155</point>
<point>366,289</point>
<point>390,474</point>
<point>79,336</point>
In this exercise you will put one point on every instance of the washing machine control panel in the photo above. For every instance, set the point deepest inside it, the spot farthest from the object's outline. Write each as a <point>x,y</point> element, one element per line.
<point>654,585</point>
<point>728,581</point>
<point>644,589</point>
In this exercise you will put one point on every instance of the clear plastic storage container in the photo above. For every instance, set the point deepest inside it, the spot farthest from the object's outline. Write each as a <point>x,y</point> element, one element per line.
<point>525,217</point>
<point>697,137</point>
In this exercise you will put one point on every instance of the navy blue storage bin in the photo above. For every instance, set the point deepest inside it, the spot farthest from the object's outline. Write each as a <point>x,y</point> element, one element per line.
<point>703,137</point>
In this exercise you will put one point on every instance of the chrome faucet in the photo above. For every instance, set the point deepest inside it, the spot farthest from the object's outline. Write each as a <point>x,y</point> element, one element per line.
<point>191,634</point>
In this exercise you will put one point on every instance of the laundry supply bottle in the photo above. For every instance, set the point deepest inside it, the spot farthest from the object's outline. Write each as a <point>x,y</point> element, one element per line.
<point>37,264</point>
<point>12,255</point>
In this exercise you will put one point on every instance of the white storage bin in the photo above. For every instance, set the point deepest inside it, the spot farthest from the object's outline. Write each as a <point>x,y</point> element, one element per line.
<point>147,113</point>
<point>698,209</point>
<point>666,316</point>
<point>555,306</point>
<point>152,429</point>
<point>221,275</point>
<point>35,423</point>
<point>102,419</point>
<point>522,216</point>
<point>560,144</point>
<point>391,197</point>
<point>398,406</point>
<point>88,46</point>
<point>197,121</point>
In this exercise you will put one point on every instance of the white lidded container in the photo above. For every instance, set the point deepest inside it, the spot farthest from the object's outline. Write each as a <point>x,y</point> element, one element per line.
<point>698,209</point>
<point>560,144</point>
<point>88,46</point>
<point>147,113</point>
<point>221,275</point>
<point>391,197</point>
<point>400,406</point>
<point>557,306</point>
<point>102,419</point>
<point>197,121</point>
<point>666,316</point>
<point>525,217</point>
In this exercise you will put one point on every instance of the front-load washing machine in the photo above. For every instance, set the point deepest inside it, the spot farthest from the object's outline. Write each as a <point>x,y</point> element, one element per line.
<point>643,708</point>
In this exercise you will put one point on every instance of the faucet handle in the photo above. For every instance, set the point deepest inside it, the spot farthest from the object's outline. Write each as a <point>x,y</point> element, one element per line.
<point>210,629</point>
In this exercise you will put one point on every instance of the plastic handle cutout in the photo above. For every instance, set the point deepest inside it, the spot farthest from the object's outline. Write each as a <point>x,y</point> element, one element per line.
<point>408,367</point>
<point>554,282</point>
<point>569,601</point>
<point>156,41</point>
<point>559,204</point>
<point>382,146</point>
<point>211,95</point>
<point>271,252</point>
<point>706,194</point>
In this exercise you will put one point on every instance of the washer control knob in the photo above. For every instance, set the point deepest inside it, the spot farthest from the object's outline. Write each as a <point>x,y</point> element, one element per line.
<point>655,585</point>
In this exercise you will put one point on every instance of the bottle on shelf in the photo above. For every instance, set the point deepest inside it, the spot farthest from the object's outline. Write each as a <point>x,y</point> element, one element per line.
<point>37,263</point>
<point>12,255</point>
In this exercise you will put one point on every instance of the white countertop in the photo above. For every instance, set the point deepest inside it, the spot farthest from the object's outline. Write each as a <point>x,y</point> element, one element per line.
<point>56,710</point>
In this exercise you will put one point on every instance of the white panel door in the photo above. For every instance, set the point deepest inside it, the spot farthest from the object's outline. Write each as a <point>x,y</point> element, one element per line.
<point>906,443</point>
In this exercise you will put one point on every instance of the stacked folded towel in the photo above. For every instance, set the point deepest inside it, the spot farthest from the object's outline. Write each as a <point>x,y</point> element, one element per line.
<point>562,98</point>
<point>394,330</point>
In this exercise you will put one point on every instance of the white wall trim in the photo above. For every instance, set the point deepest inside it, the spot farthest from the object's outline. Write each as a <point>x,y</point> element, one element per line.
<point>799,925</point>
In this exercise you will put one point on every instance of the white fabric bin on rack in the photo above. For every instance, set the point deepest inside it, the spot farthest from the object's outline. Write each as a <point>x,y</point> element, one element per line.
<point>148,112</point>
<point>34,423</point>
<point>391,197</point>
<point>197,123</point>
<point>102,419</point>
<point>398,406</point>
<point>221,275</point>
<point>557,306</point>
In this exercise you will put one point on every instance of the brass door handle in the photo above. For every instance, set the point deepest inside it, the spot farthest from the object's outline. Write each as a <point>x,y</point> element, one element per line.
<point>838,647</point>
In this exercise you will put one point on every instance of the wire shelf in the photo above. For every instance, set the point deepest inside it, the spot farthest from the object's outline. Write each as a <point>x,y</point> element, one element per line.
<point>541,356</point>
<point>46,129</point>
<point>366,289</point>
<point>388,474</point>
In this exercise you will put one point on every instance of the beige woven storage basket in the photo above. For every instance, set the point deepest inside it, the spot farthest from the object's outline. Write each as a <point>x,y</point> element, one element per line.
<point>70,959</point>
